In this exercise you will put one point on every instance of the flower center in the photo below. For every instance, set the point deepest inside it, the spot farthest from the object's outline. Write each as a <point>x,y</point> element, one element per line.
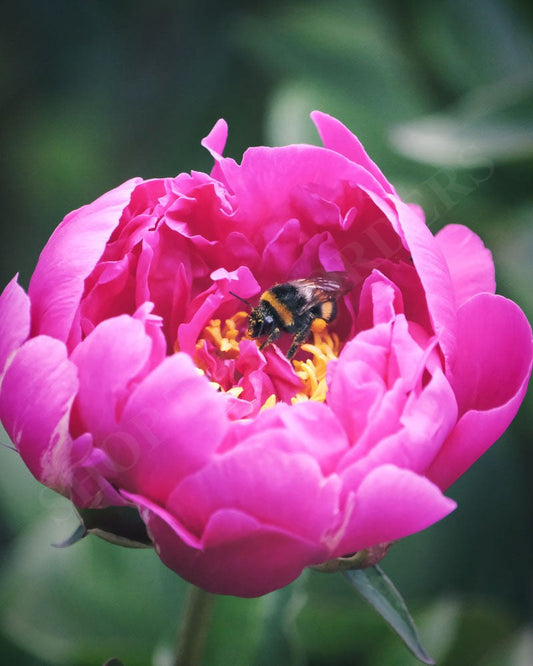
<point>218,345</point>
<point>225,336</point>
<point>312,371</point>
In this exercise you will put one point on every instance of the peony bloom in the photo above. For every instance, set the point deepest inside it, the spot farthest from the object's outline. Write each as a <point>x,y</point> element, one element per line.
<point>127,376</point>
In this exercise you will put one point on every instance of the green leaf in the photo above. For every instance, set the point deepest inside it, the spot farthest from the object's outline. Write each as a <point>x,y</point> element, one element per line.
<point>490,124</point>
<point>120,525</point>
<point>22,499</point>
<point>55,602</point>
<point>376,588</point>
<point>79,533</point>
<point>279,642</point>
<point>234,631</point>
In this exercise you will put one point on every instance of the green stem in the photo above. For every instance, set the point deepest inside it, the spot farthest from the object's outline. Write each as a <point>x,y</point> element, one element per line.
<point>194,627</point>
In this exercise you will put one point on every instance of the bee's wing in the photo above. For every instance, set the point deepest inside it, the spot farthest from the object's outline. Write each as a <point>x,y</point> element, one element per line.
<point>323,288</point>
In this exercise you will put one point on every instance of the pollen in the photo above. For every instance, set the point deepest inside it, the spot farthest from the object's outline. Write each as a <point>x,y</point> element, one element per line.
<point>269,402</point>
<point>324,348</point>
<point>223,338</point>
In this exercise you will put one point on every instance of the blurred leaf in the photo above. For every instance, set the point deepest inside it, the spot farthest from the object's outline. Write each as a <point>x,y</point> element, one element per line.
<point>468,43</point>
<point>55,602</point>
<point>349,44</point>
<point>335,627</point>
<point>482,628</point>
<point>515,652</point>
<point>344,58</point>
<point>279,642</point>
<point>13,654</point>
<point>439,625</point>
<point>512,238</point>
<point>234,632</point>
<point>459,633</point>
<point>79,533</point>
<point>374,586</point>
<point>22,498</point>
<point>491,124</point>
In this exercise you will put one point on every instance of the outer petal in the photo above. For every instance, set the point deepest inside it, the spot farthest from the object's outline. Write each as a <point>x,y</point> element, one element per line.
<point>215,141</point>
<point>411,439</point>
<point>319,432</point>
<point>269,179</point>
<point>69,256</point>
<point>470,262</point>
<point>490,380</point>
<point>389,504</point>
<point>495,351</point>
<point>35,400</point>
<point>238,555</point>
<point>14,320</point>
<point>171,425</point>
<point>434,275</point>
<point>109,360</point>
<point>285,490</point>
<point>338,137</point>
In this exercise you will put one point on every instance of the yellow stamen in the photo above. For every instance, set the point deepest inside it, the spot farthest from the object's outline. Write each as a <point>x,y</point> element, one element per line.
<point>225,337</point>
<point>269,402</point>
<point>318,325</point>
<point>324,348</point>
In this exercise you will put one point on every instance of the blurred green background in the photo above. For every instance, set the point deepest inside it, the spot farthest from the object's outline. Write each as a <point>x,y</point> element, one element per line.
<point>441,94</point>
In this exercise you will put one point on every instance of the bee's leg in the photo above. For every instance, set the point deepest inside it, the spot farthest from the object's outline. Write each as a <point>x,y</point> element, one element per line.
<point>273,336</point>
<point>298,339</point>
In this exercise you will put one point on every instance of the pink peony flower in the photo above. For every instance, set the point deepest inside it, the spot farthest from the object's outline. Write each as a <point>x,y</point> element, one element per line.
<point>128,377</point>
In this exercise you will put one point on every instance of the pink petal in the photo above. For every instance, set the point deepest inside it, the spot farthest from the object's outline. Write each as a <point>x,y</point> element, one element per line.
<point>380,301</point>
<point>238,555</point>
<point>207,303</point>
<point>355,391</point>
<point>108,361</point>
<point>406,433</point>
<point>338,137</point>
<point>35,401</point>
<point>91,473</point>
<point>390,504</point>
<point>171,425</point>
<point>319,432</point>
<point>494,352</point>
<point>216,139</point>
<point>281,251</point>
<point>490,380</point>
<point>434,274</point>
<point>268,181</point>
<point>470,262</point>
<point>319,250</point>
<point>215,143</point>
<point>14,320</point>
<point>370,382</point>
<point>283,489</point>
<point>68,258</point>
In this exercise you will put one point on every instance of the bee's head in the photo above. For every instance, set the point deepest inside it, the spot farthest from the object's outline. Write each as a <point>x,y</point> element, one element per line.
<point>260,322</point>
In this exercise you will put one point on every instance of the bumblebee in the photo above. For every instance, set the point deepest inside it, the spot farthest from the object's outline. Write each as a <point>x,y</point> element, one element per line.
<point>292,307</point>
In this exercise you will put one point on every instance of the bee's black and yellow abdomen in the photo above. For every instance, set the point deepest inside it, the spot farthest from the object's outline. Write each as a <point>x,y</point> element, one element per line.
<point>282,300</point>
<point>328,311</point>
